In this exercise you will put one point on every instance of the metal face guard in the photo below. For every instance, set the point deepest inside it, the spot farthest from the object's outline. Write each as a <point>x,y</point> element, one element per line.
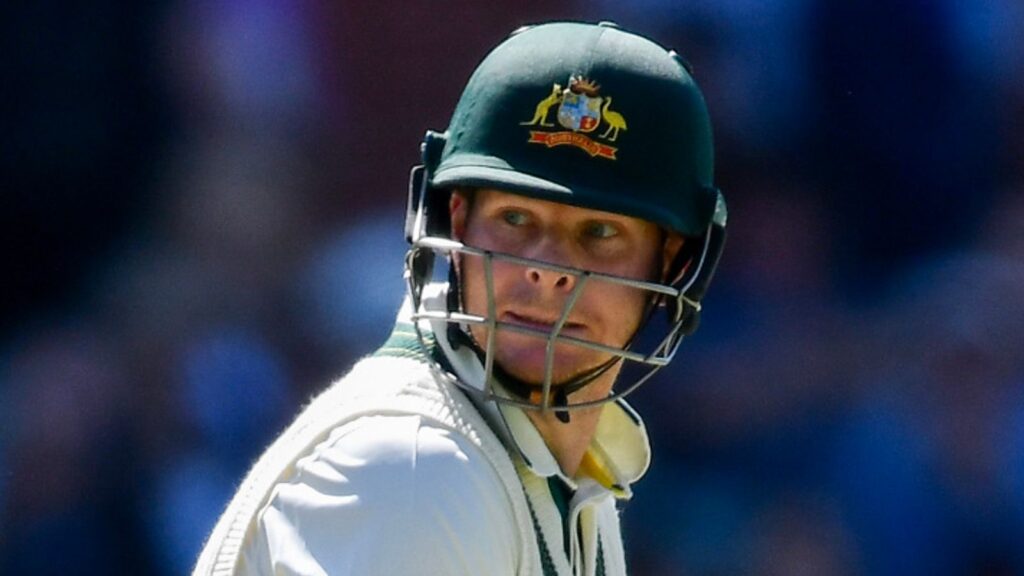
<point>422,255</point>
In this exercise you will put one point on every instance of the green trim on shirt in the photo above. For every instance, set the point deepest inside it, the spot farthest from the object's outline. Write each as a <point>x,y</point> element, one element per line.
<point>561,494</point>
<point>404,343</point>
<point>547,564</point>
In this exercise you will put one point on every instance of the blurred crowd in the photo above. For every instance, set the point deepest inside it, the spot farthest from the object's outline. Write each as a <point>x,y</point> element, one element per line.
<point>203,209</point>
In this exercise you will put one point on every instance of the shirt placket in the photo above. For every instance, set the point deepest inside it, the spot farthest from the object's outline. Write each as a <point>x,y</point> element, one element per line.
<point>583,545</point>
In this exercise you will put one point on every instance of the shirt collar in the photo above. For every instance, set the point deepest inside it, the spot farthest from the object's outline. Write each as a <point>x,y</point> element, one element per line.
<point>618,455</point>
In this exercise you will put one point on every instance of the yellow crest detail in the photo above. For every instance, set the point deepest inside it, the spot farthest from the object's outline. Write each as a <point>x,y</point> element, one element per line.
<point>580,111</point>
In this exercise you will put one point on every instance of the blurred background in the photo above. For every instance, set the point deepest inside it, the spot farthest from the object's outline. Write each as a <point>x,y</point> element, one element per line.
<point>202,205</point>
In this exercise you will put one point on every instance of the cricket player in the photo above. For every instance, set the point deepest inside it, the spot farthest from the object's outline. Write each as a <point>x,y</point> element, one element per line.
<point>563,232</point>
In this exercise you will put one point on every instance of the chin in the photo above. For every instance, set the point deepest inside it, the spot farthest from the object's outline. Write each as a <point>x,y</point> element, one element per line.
<point>527,361</point>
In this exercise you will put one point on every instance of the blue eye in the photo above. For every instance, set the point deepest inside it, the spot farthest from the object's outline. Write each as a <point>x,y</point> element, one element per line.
<point>601,230</point>
<point>514,217</point>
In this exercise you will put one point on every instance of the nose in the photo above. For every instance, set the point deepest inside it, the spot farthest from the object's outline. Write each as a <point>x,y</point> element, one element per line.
<point>548,278</point>
<point>557,252</point>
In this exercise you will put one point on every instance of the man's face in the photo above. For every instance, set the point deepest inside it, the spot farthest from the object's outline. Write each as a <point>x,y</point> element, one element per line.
<point>535,297</point>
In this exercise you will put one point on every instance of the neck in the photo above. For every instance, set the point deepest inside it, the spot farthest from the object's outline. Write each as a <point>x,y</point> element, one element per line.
<point>568,442</point>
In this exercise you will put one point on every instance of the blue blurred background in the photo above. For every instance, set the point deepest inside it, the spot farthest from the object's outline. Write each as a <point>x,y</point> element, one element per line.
<point>202,206</point>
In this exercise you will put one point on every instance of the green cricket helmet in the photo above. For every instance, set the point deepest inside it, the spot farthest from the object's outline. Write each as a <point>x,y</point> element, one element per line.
<point>586,115</point>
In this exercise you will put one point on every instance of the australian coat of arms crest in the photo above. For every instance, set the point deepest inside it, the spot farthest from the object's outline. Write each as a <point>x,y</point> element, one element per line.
<point>581,111</point>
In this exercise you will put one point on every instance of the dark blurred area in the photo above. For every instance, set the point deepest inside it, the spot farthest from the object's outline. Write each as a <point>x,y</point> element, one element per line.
<point>202,217</point>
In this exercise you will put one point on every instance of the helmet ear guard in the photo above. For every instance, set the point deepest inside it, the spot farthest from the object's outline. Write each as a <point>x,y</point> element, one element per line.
<point>698,262</point>
<point>426,211</point>
<point>433,219</point>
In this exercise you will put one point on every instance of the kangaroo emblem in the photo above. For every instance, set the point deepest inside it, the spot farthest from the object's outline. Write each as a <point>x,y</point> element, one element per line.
<point>540,114</point>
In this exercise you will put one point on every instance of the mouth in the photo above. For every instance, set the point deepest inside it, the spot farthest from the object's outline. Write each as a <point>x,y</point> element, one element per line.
<point>541,323</point>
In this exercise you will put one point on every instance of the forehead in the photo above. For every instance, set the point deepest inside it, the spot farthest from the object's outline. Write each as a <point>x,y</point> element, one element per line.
<point>491,198</point>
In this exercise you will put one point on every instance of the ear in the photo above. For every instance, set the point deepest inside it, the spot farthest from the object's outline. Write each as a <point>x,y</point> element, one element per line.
<point>673,244</point>
<point>458,209</point>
